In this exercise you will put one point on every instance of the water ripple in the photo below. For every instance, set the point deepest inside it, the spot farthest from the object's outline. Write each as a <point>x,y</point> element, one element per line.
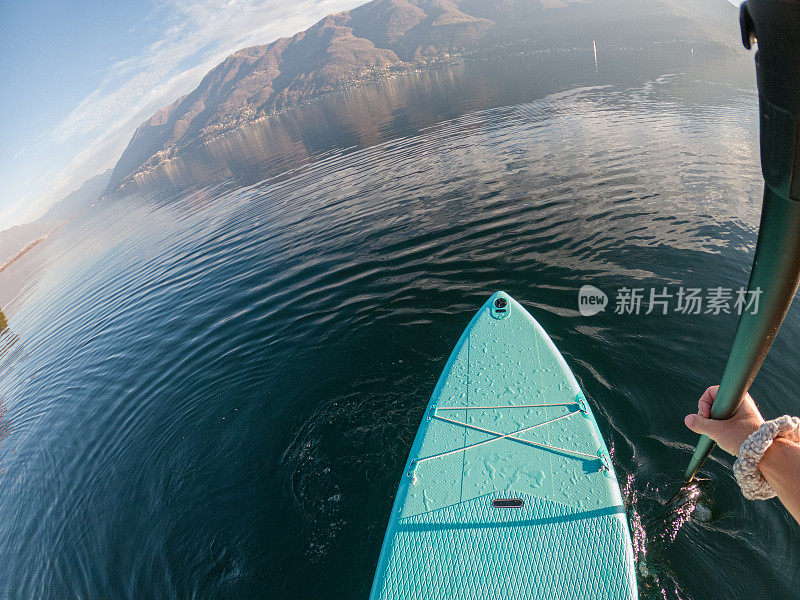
<point>208,391</point>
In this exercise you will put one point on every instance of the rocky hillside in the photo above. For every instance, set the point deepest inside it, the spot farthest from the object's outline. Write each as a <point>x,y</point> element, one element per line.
<point>386,36</point>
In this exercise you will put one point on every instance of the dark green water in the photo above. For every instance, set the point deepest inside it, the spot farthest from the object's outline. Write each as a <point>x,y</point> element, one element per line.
<point>209,385</point>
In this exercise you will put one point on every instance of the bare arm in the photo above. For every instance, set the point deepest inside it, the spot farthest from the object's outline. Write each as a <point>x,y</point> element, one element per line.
<point>780,464</point>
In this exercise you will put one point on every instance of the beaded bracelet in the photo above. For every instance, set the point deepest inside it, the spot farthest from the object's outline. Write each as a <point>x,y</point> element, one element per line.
<point>745,469</point>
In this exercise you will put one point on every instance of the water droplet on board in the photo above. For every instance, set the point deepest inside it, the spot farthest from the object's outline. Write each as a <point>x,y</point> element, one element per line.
<point>538,478</point>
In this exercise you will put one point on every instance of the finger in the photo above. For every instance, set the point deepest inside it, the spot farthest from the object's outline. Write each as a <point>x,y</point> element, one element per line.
<point>689,421</point>
<point>700,424</point>
<point>706,400</point>
<point>704,409</point>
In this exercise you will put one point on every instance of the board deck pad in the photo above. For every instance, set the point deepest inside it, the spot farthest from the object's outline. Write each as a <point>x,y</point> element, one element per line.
<point>509,492</point>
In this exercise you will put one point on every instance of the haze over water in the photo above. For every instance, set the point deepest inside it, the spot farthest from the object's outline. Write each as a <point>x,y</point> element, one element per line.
<point>210,384</point>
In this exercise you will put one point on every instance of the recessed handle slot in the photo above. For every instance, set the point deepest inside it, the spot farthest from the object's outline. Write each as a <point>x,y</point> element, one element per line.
<point>508,502</point>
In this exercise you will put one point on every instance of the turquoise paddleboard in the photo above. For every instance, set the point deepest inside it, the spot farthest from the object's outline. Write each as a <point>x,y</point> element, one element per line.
<point>509,491</point>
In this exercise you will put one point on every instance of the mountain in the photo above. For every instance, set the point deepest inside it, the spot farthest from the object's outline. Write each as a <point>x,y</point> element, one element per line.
<point>17,240</point>
<point>386,37</point>
<point>75,202</point>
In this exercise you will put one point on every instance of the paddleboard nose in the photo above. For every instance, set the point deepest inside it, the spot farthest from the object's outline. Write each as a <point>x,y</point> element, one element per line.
<point>500,305</point>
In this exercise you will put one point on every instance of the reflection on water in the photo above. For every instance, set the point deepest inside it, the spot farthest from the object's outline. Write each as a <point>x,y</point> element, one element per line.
<point>220,381</point>
<point>5,427</point>
<point>7,340</point>
<point>408,106</point>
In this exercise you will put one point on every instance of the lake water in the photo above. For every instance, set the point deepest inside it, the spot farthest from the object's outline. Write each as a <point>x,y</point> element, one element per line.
<point>210,381</point>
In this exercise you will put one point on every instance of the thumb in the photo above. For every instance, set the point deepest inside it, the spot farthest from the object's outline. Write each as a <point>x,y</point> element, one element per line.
<point>699,424</point>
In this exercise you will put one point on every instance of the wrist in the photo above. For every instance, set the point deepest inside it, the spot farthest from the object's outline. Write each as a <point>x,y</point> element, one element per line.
<point>747,468</point>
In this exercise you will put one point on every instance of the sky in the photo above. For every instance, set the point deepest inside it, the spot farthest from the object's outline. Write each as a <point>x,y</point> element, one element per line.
<point>78,77</point>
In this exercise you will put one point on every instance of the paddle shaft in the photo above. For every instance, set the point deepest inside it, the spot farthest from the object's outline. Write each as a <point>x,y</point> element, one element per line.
<point>775,275</point>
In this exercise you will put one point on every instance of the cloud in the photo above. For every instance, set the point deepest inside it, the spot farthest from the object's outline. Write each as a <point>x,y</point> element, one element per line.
<point>190,38</point>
